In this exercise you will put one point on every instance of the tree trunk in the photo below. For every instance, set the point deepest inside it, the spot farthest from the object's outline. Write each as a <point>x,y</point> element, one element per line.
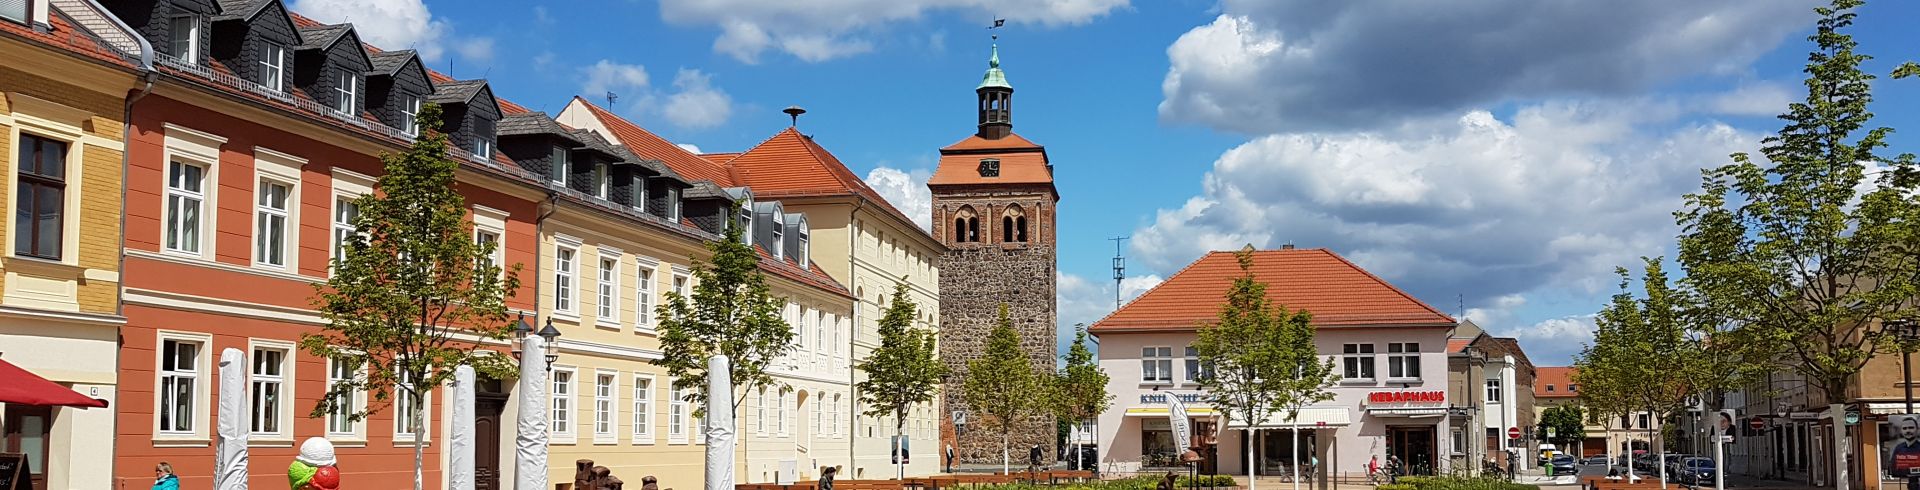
<point>419,440</point>
<point>1249,445</point>
<point>1839,452</point>
<point>900,429</point>
<point>1296,455</point>
<point>1006,445</point>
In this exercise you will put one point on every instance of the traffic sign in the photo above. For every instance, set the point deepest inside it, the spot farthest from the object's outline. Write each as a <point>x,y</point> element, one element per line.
<point>1513,432</point>
<point>1757,423</point>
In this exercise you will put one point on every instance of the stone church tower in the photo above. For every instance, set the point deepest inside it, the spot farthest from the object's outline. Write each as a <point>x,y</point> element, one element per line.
<point>993,207</point>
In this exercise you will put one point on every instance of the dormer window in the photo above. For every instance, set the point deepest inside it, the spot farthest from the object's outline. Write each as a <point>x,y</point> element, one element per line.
<point>349,94</point>
<point>273,66</point>
<point>482,139</point>
<point>409,115</point>
<point>601,183</point>
<point>184,39</point>
<point>562,159</point>
<point>15,11</point>
<point>779,244</point>
<point>673,204</point>
<point>989,167</point>
<point>639,192</point>
<point>803,243</point>
<point>746,223</point>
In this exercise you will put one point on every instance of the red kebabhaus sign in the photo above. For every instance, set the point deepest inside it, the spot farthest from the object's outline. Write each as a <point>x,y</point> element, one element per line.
<point>1406,398</point>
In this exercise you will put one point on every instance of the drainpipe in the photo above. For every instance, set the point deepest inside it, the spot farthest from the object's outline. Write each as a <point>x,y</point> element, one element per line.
<point>853,416</point>
<point>147,77</point>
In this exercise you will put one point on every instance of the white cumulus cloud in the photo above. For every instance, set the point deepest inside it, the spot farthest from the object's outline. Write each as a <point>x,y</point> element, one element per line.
<point>696,103</point>
<point>821,31</point>
<point>906,190</point>
<point>693,101</point>
<point>399,24</point>
<point>689,147</point>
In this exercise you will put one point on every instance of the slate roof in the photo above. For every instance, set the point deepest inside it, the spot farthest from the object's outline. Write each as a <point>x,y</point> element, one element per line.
<point>456,91</point>
<point>706,190</point>
<point>594,142</point>
<point>1337,293</point>
<point>240,9</point>
<point>320,37</point>
<point>389,62</point>
<point>529,123</point>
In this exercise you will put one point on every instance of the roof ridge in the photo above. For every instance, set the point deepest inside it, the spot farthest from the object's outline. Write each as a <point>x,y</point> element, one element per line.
<point>609,118</point>
<point>1389,285</point>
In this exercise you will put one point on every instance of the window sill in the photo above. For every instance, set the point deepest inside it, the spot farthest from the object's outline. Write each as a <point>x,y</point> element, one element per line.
<point>646,331</point>
<point>607,325</point>
<point>605,442</point>
<point>269,442</point>
<point>561,442</point>
<point>569,317</point>
<point>347,441</point>
<point>182,442</point>
<point>1358,381</point>
<point>1156,383</point>
<point>406,440</point>
<point>643,441</point>
<point>1406,380</point>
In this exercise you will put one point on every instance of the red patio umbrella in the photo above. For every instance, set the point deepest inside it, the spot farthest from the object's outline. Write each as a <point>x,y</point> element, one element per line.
<point>22,387</point>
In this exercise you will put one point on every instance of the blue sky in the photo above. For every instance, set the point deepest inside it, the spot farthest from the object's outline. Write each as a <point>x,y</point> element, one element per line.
<point>1501,155</point>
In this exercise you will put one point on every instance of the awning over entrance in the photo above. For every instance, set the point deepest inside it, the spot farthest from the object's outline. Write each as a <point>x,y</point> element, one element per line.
<point>1307,418</point>
<point>25,388</point>
<point>1161,411</point>
<point>1407,412</point>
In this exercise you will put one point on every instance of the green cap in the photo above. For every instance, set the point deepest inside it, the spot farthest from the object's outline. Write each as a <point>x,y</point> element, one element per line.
<point>995,77</point>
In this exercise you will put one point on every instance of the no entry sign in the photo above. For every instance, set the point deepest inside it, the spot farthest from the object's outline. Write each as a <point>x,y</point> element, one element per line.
<point>1513,432</point>
<point>1757,423</point>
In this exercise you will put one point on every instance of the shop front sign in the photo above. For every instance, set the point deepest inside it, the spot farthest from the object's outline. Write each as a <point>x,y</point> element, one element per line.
<point>1407,399</point>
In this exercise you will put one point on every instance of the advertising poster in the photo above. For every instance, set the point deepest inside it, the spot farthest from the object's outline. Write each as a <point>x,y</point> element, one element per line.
<point>1900,446</point>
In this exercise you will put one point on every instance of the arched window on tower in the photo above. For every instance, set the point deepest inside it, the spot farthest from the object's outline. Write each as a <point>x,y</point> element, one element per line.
<point>966,225</point>
<point>1013,225</point>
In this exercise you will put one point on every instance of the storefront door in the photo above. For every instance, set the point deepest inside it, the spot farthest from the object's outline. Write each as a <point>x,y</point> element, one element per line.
<point>1276,450</point>
<point>27,429</point>
<point>1414,445</point>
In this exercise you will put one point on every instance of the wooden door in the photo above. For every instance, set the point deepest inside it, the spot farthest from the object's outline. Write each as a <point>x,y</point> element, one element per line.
<point>486,442</point>
<point>28,431</point>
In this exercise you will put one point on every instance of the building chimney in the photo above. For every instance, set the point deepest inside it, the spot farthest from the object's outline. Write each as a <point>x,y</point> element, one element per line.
<point>794,111</point>
<point>1287,246</point>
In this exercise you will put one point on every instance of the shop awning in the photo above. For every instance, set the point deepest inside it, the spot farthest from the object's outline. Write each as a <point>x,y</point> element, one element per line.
<point>1307,418</point>
<point>25,388</point>
<point>1407,412</point>
<point>1894,408</point>
<point>1161,411</point>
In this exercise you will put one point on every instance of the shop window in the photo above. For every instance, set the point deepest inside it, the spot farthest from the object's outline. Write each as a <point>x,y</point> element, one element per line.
<point>1357,359</point>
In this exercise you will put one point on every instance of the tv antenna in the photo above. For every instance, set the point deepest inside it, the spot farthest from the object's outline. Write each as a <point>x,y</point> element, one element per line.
<point>611,97</point>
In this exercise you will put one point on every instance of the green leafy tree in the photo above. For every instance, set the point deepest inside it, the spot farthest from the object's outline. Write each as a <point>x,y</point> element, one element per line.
<point>733,313</point>
<point>905,370</point>
<point>1003,386</point>
<point>1567,424</point>
<point>1080,388</point>
<point>1262,357</point>
<point>1639,347</point>
<point>410,280</point>
<point>1812,248</point>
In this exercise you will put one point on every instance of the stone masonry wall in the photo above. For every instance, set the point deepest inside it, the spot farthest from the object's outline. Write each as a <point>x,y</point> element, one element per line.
<point>975,279</point>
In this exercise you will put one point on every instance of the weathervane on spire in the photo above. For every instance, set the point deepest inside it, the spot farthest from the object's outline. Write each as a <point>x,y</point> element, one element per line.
<point>997,23</point>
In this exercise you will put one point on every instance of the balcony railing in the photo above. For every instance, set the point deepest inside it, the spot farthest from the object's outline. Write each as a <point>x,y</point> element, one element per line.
<point>229,80</point>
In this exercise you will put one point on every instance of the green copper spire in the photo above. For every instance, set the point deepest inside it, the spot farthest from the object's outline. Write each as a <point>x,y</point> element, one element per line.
<point>995,77</point>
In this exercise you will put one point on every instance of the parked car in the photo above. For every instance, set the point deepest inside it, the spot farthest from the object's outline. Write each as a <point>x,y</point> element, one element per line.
<point>1595,460</point>
<point>1564,465</point>
<point>1646,462</point>
<point>1672,463</point>
<point>1696,471</point>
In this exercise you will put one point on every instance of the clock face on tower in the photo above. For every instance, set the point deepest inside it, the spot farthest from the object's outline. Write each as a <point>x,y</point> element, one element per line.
<point>989,167</point>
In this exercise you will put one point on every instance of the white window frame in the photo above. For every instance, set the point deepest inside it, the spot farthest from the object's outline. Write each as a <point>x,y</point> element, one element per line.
<point>602,180</point>
<point>285,381</point>
<point>607,290</point>
<point>191,55</point>
<point>492,221</point>
<point>1358,359</point>
<point>779,244</point>
<point>402,437</point>
<point>172,222</point>
<point>643,396</point>
<point>410,114</point>
<point>561,167</point>
<point>199,148</point>
<point>566,268</point>
<point>196,434</point>
<point>347,93</point>
<point>357,430</point>
<point>746,223</point>
<point>804,252</point>
<point>1405,356</point>
<point>1156,365</point>
<point>682,284</point>
<point>273,167</point>
<point>562,410</point>
<point>677,415</point>
<point>606,397</point>
<point>264,216</point>
<point>760,412</point>
<point>344,212</point>
<point>1494,391</point>
<point>780,412</point>
<point>644,293</point>
<point>273,60</point>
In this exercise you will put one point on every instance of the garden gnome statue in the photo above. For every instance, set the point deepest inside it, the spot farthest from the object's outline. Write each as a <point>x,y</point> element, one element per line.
<point>314,468</point>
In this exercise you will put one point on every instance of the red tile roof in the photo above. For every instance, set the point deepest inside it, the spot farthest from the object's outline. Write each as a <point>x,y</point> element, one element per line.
<point>1021,162</point>
<point>1337,293</point>
<point>66,36</point>
<point>1559,378</point>
<point>649,145</point>
<point>1458,345</point>
<point>719,158</point>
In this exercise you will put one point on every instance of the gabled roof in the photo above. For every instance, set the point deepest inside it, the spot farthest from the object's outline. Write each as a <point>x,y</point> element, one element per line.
<point>1337,293</point>
<point>1458,345</point>
<point>658,168</point>
<point>706,190</point>
<point>793,164</point>
<point>720,158</point>
<point>389,62</point>
<point>456,91</point>
<point>323,36</point>
<point>531,123</point>
<point>73,37</point>
<point>1559,377</point>
<point>648,145</point>
<point>592,141</point>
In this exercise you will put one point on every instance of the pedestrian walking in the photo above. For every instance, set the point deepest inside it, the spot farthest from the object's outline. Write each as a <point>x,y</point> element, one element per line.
<point>649,483</point>
<point>826,477</point>
<point>949,458</point>
<point>163,478</point>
